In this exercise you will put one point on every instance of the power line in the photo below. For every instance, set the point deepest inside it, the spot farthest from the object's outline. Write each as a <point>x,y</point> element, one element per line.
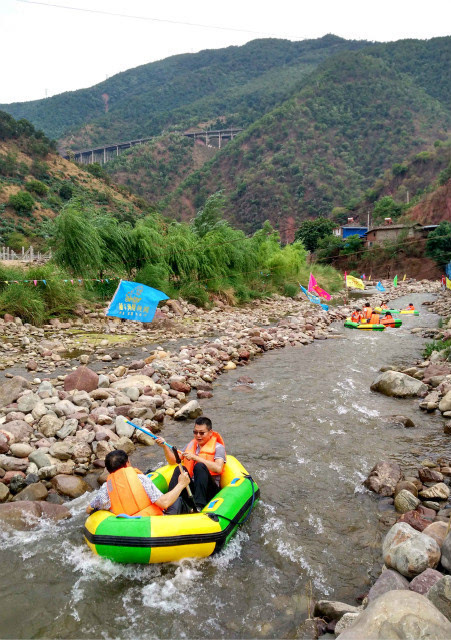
<point>161,20</point>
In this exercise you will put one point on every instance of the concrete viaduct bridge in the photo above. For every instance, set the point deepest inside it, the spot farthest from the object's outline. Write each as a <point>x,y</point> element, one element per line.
<point>107,152</point>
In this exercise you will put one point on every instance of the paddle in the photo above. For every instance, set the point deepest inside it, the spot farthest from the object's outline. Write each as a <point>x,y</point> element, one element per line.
<point>176,455</point>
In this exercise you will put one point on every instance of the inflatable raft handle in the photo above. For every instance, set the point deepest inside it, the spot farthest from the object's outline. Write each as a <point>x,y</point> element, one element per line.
<point>124,515</point>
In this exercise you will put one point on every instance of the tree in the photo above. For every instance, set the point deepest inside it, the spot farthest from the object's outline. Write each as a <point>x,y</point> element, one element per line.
<point>210,216</point>
<point>311,231</point>
<point>386,207</point>
<point>22,202</point>
<point>438,245</point>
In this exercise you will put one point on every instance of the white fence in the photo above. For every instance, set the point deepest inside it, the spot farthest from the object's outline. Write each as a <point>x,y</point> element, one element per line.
<point>26,255</point>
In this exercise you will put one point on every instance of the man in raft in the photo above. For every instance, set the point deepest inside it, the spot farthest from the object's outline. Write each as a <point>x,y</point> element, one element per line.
<point>356,315</point>
<point>375,318</point>
<point>388,319</point>
<point>204,458</point>
<point>384,305</point>
<point>410,307</point>
<point>129,491</point>
<point>367,312</point>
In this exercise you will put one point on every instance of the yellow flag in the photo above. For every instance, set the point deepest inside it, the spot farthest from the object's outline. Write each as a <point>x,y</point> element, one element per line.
<point>354,283</point>
<point>404,277</point>
<point>448,283</point>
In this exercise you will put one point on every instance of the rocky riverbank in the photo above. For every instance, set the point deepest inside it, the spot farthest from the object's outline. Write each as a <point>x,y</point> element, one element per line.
<point>55,431</point>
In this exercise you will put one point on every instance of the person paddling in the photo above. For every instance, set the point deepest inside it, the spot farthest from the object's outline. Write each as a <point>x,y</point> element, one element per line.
<point>203,458</point>
<point>384,305</point>
<point>410,307</point>
<point>356,315</point>
<point>128,491</point>
<point>388,319</point>
<point>375,318</point>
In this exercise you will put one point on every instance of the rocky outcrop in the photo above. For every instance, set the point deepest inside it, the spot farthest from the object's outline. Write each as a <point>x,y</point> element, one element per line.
<point>398,385</point>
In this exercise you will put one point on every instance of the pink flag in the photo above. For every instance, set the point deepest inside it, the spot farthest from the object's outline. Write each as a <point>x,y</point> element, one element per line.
<point>322,294</point>
<point>312,283</point>
<point>35,282</point>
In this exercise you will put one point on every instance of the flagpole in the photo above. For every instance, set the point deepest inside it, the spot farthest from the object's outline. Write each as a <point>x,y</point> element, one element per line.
<point>111,301</point>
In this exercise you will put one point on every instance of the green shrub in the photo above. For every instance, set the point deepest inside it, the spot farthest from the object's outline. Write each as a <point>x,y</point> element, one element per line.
<point>290,290</point>
<point>22,202</point>
<point>37,187</point>
<point>66,191</point>
<point>195,293</point>
<point>27,304</point>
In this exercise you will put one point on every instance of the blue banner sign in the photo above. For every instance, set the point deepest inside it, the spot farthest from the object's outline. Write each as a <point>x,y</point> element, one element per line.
<point>135,301</point>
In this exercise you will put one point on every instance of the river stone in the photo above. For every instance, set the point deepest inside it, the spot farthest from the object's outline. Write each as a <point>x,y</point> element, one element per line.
<point>400,615</point>
<point>11,390</point>
<point>346,621</point>
<point>403,421</point>
<point>25,515</point>
<point>104,382</point>
<point>39,410</point>
<point>440,595</point>
<point>415,519</point>
<point>4,446</point>
<point>405,501</point>
<point>189,410</point>
<point>134,381</point>
<point>383,478</point>
<point>82,399</point>
<point>48,472</point>
<point>398,385</point>
<point>27,402</point>
<point>424,581</point>
<point>21,450</point>
<point>333,610</point>
<point>389,580</point>
<point>439,491</point>
<point>61,450</point>
<point>445,403</point>
<point>446,552</point>
<point>408,551</point>
<point>4,492</point>
<point>9,463</point>
<point>83,379</point>
<point>49,425</point>
<point>125,444</point>
<point>71,486</point>
<point>429,475</point>
<point>36,491</point>
<point>123,429</point>
<point>68,429</point>
<point>438,531</point>
<point>39,458</point>
<point>408,486</point>
<point>65,408</point>
<point>18,431</point>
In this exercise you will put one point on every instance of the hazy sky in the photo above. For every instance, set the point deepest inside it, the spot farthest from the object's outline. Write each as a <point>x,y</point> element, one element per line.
<point>46,50</point>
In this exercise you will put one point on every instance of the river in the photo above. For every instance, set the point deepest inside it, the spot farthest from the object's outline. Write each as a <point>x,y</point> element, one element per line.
<point>309,432</point>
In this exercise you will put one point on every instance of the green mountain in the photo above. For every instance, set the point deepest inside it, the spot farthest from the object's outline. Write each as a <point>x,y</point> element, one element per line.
<point>354,117</point>
<point>238,84</point>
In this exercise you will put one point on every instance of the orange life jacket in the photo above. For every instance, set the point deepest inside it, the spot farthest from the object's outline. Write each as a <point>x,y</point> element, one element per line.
<point>127,495</point>
<point>374,318</point>
<point>207,452</point>
<point>390,322</point>
<point>410,307</point>
<point>367,312</point>
<point>356,317</point>
<point>384,306</point>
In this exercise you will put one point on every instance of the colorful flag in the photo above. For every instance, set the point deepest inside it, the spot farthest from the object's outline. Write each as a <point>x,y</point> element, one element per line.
<point>135,301</point>
<point>448,283</point>
<point>380,287</point>
<point>395,281</point>
<point>314,299</point>
<point>322,294</point>
<point>311,282</point>
<point>404,277</point>
<point>354,283</point>
<point>363,276</point>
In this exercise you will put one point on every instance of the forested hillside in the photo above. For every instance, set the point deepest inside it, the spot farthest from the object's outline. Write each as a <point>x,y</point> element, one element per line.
<point>36,183</point>
<point>354,117</point>
<point>238,84</point>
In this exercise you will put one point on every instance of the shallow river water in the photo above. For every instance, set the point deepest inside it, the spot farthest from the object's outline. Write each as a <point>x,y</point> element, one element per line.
<point>309,432</point>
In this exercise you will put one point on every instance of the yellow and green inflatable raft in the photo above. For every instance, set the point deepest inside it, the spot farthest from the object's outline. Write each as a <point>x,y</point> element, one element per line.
<point>405,312</point>
<point>171,538</point>
<point>368,327</point>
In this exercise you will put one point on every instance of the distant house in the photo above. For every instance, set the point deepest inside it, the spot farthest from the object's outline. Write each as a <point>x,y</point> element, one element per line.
<point>390,232</point>
<point>350,229</point>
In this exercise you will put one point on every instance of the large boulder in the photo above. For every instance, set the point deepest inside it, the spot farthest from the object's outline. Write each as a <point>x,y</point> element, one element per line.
<point>398,385</point>
<point>34,491</point>
<point>332,609</point>
<point>404,615</point>
<point>438,531</point>
<point>50,424</point>
<point>446,553</point>
<point>405,501</point>
<point>189,410</point>
<point>82,379</point>
<point>383,478</point>
<point>408,551</point>
<point>439,491</point>
<point>139,381</point>
<point>71,486</point>
<point>11,390</point>
<point>17,431</point>
<point>389,580</point>
<point>9,463</point>
<point>25,515</point>
<point>440,595</point>
<point>424,581</point>
<point>445,403</point>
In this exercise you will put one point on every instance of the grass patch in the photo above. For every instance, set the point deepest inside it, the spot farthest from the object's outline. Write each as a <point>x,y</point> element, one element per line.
<point>437,345</point>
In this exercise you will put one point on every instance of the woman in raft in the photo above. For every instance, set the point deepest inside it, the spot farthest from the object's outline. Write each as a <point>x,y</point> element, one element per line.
<point>410,307</point>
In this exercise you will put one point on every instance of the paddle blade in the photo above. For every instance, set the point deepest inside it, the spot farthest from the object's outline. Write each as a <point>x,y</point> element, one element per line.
<point>176,455</point>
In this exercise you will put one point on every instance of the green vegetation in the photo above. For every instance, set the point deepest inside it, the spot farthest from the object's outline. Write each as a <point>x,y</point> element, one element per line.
<point>438,246</point>
<point>22,202</point>
<point>311,232</point>
<point>437,345</point>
